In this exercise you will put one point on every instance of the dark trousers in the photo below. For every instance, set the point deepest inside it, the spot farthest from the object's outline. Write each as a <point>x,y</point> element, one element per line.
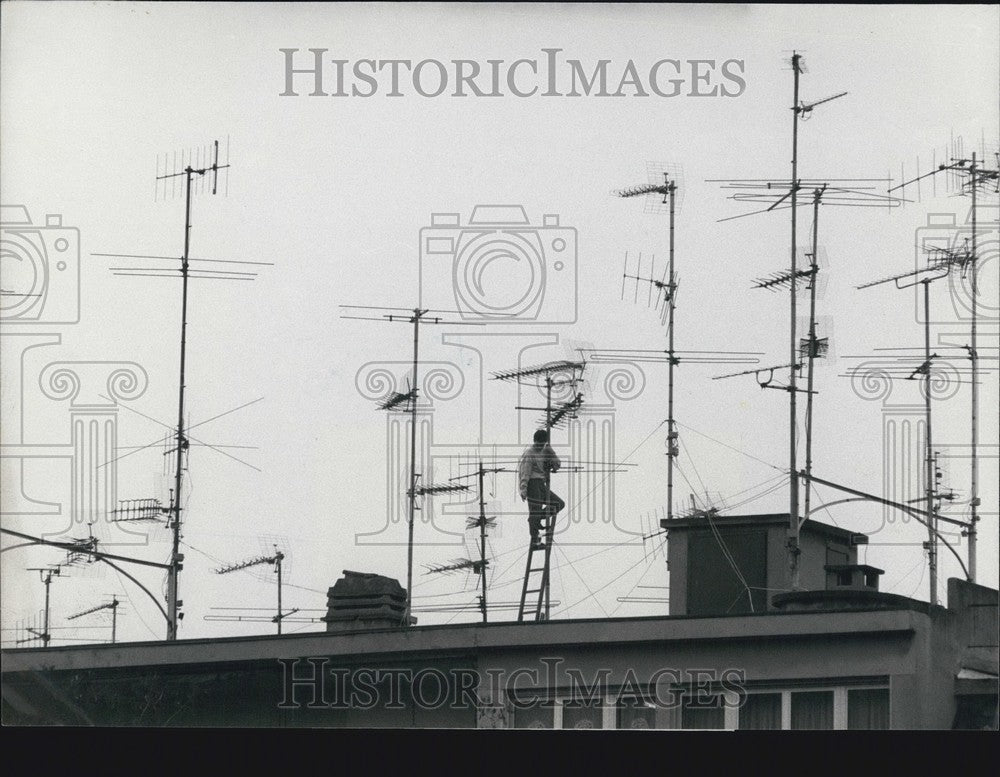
<point>537,502</point>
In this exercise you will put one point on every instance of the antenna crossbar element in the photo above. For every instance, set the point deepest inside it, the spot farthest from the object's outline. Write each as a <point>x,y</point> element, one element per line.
<point>939,267</point>
<point>543,370</point>
<point>189,170</point>
<point>797,366</point>
<point>805,108</point>
<point>646,188</point>
<point>253,562</point>
<point>139,510</point>
<point>444,488</point>
<point>820,347</point>
<point>277,558</point>
<point>455,565</point>
<point>112,605</point>
<point>396,399</point>
<point>565,412</point>
<point>781,279</point>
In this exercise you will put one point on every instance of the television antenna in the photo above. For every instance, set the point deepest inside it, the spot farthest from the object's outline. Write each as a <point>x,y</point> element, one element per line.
<point>112,605</point>
<point>783,194</point>
<point>276,559</point>
<point>560,373</point>
<point>195,170</point>
<point>483,523</point>
<point>45,574</point>
<point>407,402</point>
<point>666,291</point>
<point>975,177</point>
<point>939,267</point>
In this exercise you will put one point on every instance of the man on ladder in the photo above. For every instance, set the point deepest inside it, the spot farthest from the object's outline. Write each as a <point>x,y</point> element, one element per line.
<point>537,461</point>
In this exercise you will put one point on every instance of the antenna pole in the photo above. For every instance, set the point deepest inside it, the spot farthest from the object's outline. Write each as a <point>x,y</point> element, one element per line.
<point>814,271</point>
<point>974,357</point>
<point>671,362</point>
<point>482,536</point>
<point>45,630</point>
<point>114,618</point>
<point>550,530</point>
<point>929,486</point>
<point>793,483</point>
<point>278,556</point>
<point>175,556</point>
<point>413,464</point>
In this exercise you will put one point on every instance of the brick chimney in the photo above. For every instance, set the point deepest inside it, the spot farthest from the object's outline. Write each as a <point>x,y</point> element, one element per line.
<point>360,601</point>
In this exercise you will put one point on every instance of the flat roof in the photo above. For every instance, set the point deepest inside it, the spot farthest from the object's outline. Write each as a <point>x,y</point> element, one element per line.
<point>468,637</point>
<point>765,519</point>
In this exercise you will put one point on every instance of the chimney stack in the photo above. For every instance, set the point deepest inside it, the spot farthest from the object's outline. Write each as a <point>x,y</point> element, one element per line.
<point>360,601</point>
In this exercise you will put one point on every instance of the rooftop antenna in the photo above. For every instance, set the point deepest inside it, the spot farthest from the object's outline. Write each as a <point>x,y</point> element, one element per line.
<point>939,268</point>
<point>666,289</point>
<point>135,510</point>
<point>975,176</point>
<point>407,402</point>
<point>276,558</point>
<point>45,574</point>
<point>555,373</point>
<point>112,605</point>
<point>483,523</point>
<point>784,194</point>
<point>196,171</point>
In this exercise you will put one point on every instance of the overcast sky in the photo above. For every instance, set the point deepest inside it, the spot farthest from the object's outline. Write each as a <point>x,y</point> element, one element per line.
<point>335,190</point>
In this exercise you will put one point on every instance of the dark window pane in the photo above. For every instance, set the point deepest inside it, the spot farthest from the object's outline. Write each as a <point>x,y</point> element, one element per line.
<point>703,713</point>
<point>976,713</point>
<point>812,710</point>
<point>632,713</point>
<point>868,708</point>
<point>538,714</point>
<point>714,587</point>
<point>582,714</point>
<point>761,712</point>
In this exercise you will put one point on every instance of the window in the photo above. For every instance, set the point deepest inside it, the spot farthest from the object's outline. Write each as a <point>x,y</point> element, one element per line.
<point>868,709</point>
<point>582,714</point>
<point>537,714</point>
<point>635,713</point>
<point>703,712</point>
<point>761,712</point>
<point>714,586</point>
<point>812,710</point>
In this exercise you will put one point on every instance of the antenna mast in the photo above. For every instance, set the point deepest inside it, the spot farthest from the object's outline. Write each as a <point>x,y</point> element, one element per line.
<point>935,271</point>
<point>976,176</point>
<point>45,574</point>
<point>668,189</point>
<point>275,559</point>
<point>112,605</point>
<point>176,557</point>
<point>793,483</point>
<point>409,401</point>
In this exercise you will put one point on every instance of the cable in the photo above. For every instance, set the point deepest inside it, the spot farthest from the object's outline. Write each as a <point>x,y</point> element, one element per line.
<point>732,562</point>
<point>617,577</point>
<point>737,450</point>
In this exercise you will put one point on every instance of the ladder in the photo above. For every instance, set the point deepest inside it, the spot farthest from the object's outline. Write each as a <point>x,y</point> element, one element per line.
<point>539,574</point>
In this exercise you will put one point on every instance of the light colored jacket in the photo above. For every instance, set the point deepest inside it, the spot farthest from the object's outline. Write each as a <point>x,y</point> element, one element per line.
<point>535,462</point>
